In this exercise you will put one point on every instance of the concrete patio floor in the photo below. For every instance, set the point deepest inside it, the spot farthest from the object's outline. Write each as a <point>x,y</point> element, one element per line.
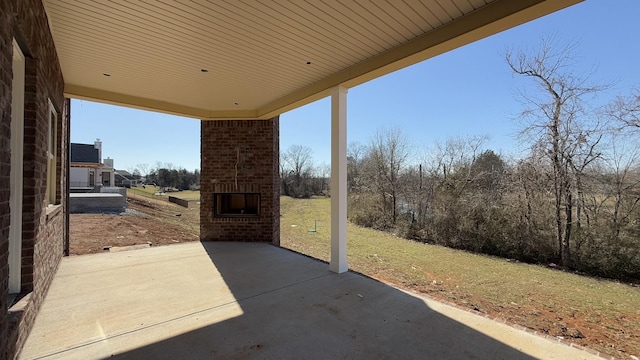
<point>252,300</point>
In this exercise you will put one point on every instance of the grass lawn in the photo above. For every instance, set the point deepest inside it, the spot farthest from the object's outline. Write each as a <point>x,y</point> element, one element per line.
<point>147,189</point>
<point>147,192</point>
<point>186,194</point>
<point>599,314</point>
<point>150,191</point>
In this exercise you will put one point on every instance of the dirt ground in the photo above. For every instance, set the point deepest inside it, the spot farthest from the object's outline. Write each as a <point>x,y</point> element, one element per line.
<point>617,336</point>
<point>144,223</point>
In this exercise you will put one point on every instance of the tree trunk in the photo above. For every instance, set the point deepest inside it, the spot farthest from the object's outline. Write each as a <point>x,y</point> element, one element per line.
<point>394,211</point>
<point>565,255</point>
<point>558,211</point>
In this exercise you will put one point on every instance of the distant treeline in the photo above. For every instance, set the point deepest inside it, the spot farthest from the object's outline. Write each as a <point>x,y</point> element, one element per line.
<point>167,176</point>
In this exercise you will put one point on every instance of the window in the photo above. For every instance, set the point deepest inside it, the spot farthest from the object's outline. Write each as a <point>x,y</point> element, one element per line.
<point>236,204</point>
<point>52,159</point>
<point>106,178</point>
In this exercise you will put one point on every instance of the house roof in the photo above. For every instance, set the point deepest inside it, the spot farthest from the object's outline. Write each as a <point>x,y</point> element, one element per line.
<point>84,153</point>
<point>124,174</point>
<point>256,59</point>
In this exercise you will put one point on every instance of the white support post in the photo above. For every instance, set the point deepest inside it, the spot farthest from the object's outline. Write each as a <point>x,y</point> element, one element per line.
<point>338,262</point>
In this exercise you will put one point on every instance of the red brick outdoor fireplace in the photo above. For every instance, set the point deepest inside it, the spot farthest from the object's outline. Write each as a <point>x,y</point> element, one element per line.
<point>239,184</point>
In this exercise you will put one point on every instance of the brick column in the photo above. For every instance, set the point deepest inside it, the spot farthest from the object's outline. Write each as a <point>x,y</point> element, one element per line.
<point>240,156</point>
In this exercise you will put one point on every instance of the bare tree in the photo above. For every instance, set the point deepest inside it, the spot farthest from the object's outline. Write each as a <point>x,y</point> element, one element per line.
<point>298,158</point>
<point>622,177</point>
<point>454,160</point>
<point>296,170</point>
<point>323,171</point>
<point>143,169</point>
<point>388,154</point>
<point>355,154</point>
<point>625,110</point>
<point>418,191</point>
<point>558,125</point>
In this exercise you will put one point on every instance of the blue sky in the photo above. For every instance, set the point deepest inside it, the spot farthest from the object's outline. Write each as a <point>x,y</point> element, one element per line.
<point>466,92</point>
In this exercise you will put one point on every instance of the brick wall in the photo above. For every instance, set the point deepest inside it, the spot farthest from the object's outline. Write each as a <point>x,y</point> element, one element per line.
<point>43,227</point>
<point>5,163</point>
<point>240,156</point>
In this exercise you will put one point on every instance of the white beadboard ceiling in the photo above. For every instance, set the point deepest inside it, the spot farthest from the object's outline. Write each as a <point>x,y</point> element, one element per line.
<point>257,58</point>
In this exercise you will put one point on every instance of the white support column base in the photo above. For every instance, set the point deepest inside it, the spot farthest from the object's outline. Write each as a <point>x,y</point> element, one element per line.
<point>338,263</point>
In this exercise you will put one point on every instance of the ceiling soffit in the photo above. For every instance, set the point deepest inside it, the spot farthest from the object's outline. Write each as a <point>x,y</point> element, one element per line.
<point>257,58</point>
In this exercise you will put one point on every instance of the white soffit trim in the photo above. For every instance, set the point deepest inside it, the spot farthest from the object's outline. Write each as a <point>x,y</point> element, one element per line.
<point>224,60</point>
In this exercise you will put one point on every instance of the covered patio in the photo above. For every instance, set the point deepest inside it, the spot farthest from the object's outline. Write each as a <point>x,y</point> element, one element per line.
<point>230,300</point>
<point>235,65</point>
<point>238,65</point>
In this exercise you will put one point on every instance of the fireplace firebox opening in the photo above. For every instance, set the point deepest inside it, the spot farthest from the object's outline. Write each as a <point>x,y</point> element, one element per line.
<point>236,204</point>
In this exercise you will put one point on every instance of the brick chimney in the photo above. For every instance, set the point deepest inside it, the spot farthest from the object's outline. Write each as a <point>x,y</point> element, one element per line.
<point>98,145</point>
<point>240,180</point>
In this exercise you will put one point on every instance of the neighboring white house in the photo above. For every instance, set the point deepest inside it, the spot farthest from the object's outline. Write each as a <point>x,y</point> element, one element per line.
<point>108,172</point>
<point>87,170</point>
<point>126,179</point>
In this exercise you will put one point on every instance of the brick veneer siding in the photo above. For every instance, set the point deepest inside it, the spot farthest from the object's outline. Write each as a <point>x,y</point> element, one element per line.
<point>5,166</point>
<point>43,227</point>
<point>240,156</point>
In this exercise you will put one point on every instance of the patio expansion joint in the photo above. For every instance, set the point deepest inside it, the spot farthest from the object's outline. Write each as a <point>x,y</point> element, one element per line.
<point>283,287</point>
<point>126,266</point>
